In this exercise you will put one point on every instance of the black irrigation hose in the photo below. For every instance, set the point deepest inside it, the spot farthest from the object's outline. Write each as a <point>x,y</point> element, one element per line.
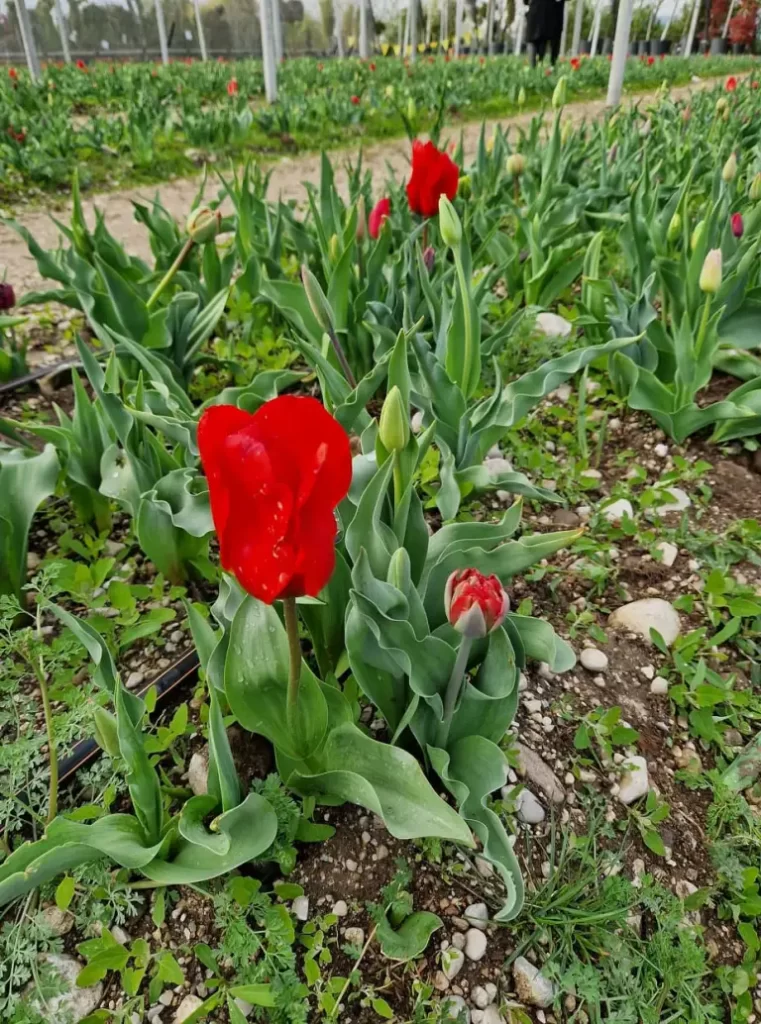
<point>53,370</point>
<point>184,670</point>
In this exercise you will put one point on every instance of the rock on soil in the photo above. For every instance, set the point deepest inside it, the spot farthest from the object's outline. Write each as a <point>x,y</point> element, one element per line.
<point>668,553</point>
<point>528,808</point>
<point>198,772</point>
<point>659,686</point>
<point>553,326</point>
<point>635,781</point>
<point>532,767</point>
<point>593,660</point>
<point>452,961</point>
<point>73,1003</point>
<point>477,915</point>
<point>475,944</point>
<point>674,500</point>
<point>188,1006</point>
<point>454,1007</point>
<point>649,613</point>
<point>531,985</point>
<point>618,510</point>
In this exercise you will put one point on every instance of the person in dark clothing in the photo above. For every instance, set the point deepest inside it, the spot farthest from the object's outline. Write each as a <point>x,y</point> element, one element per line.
<point>544,26</point>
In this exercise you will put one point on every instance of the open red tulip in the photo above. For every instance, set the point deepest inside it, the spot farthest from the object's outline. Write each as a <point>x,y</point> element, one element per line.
<point>434,175</point>
<point>378,214</point>
<point>275,477</point>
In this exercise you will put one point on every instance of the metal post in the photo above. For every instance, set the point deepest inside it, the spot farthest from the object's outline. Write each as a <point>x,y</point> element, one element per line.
<point>412,15</point>
<point>337,28</point>
<point>578,14</point>
<point>268,51</point>
<point>691,32</point>
<point>199,29</point>
<point>443,24</point>
<point>564,36</point>
<point>63,31</point>
<point>457,27</point>
<point>162,32</point>
<point>27,38</point>
<point>620,53</point>
<point>596,28</point>
<point>667,26</point>
<point>364,49</point>
<point>277,30</point>
<point>490,28</point>
<point>520,15</point>
<point>428,22</point>
<point>726,23</point>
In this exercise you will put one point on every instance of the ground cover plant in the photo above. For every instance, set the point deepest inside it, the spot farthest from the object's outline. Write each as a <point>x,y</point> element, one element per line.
<point>450,489</point>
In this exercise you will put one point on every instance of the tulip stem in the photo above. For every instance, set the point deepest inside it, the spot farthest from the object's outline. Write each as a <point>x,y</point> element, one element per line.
<point>466,385</point>
<point>188,245</point>
<point>398,482</point>
<point>454,686</point>
<point>342,360</point>
<point>294,664</point>
<point>703,326</point>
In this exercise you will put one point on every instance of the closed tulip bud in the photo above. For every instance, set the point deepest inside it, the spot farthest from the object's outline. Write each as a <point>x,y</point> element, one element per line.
<point>646,128</point>
<point>389,92</point>
<point>334,249</point>
<point>522,97</point>
<point>754,192</point>
<point>394,429</point>
<point>475,604</point>
<point>721,104</point>
<point>710,275</point>
<point>675,226</point>
<point>411,109</point>
<point>7,297</point>
<point>697,234</point>
<point>203,224</point>
<point>318,303</point>
<point>361,219</point>
<point>429,257</point>
<point>560,94</point>
<point>736,221</point>
<point>463,186</point>
<point>516,164</point>
<point>449,223</point>
<point>729,171</point>
<point>566,132</point>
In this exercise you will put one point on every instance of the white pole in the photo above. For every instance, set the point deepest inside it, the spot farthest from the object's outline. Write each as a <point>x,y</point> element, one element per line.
<point>364,49</point>
<point>490,28</point>
<point>564,36</point>
<point>199,29</point>
<point>443,23</point>
<point>277,30</point>
<point>457,27</point>
<point>27,38</point>
<point>268,51</point>
<point>412,15</point>
<point>726,23</point>
<point>521,24</point>
<point>63,31</point>
<point>693,26</point>
<point>620,53</point>
<point>596,28</point>
<point>162,32</point>
<point>667,26</point>
<point>337,28</point>
<point>428,23</point>
<point>578,14</point>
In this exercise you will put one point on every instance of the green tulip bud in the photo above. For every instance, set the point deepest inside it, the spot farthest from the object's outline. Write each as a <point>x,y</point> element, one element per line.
<point>463,186</point>
<point>560,94</point>
<point>710,275</point>
<point>449,223</point>
<point>721,104</point>
<point>516,164</point>
<point>317,300</point>
<point>675,226</point>
<point>754,192</point>
<point>522,97</point>
<point>729,171</point>
<point>697,234</point>
<point>106,734</point>
<point>389,92</point>
<point>203,224</point>
<point>334,249</point>
<point>394,429</point>
<point>411,109</point>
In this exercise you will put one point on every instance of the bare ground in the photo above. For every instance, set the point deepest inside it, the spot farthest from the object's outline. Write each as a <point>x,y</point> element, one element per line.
<point>383,159</point>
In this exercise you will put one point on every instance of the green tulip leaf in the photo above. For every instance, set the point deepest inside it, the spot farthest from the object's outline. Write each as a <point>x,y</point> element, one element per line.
<point>410,939</point>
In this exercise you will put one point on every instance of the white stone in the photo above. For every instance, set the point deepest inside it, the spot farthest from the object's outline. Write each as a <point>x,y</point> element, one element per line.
<point>72,1003</point>
<point>531,985</point>
<point>484,867</point>
<point>661,450</point>
<point>458,940</point>
<point>668,552</point>
<point>355,936</point>
<point>491,990</point>
<point>198,772</point>
<point>593,660</point>
<point>496,467</point>
<point>528,808</point>
<point>532,767</point>
<point>340,908</point>
<point>646,614</point>
<point>659,686</point>
<point>452,961</point>
<point>618,510</point>
<point>674,500</point>
<point>477,915</point>
<point>417,422</point>
<point>476,1017</point>
<point>553,326</point>
<point>475,944</point>
<point>480,997</point>
<point>188,1006</point>
<point>492,1016</point>
<point>300,908</point>
<point>454,1007</point>
<point>635,781</point>
<point>134,679</point>
<point>60,922</point>
<point>592,478</point>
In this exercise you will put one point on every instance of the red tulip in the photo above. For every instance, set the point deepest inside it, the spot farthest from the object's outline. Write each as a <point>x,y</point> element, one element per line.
<point>736,220</point>
<point>275,477</point>
<point>433,175</point>
<point>81,65</point>
<point>7,297</point>
<point>731,83</point>
<point>475,604</point>
<point>575,63</point>
<point>12,73</point>
<point>378,215</point>
<point>232,87</point>
<point>355,100</point>
<point>650,61</point>
<point>754,84</point>
<point>372,66</point>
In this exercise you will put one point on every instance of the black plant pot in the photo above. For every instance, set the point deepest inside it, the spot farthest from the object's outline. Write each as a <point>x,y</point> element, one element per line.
<point>718,45</point>
<point>659,46</point>
<point>738,48</point>
<point>585,46</point>
<point>643,48</point>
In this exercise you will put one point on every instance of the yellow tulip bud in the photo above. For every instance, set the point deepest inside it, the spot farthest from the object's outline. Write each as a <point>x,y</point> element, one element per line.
<point>516,164</point>
<point>560,94</point>
<point>729,171</point>
<point>697,234</point>
<point>754,192</point>
<point>334,249</point>
<point>675,226</point>
<point>710,275</point>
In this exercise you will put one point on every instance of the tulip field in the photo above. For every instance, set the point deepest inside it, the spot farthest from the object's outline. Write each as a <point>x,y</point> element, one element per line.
<point>380,571</point>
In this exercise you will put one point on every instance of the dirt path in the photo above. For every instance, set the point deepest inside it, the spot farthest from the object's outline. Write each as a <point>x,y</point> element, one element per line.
<point>389,157</point>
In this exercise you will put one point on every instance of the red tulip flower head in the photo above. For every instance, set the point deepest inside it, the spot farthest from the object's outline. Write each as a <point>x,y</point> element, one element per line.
<point>575,63</point>
<point>378,215</point>
<point>81,65</point>
<point>232,87</point>
<point>434,175</point>
<point>372,66</point>
<point>736,220</point>
<point>731,83</point>
<point>275,477</point>
<point>12,73</point>
<point>7,297</point>
<point>355,100</point>
<point>475,604</point>
<point>650,61</point>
